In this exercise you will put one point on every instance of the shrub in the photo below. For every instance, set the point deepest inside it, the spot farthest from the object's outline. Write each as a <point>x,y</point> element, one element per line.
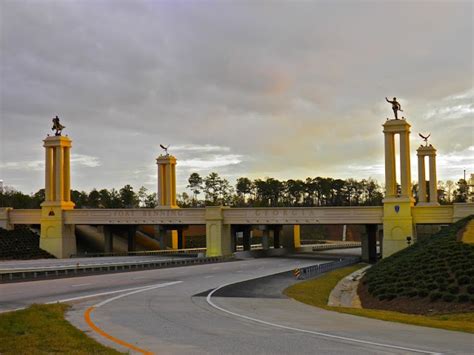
<point>470,289</point>
<point>463,298</point>
<point>448,297</point>
<point>453,290</point>
<point>435,296</point>
<point>464,280</point>
<point>422,293</point>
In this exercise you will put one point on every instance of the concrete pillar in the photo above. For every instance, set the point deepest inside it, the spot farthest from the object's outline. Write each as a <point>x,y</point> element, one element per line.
<point>421,179</point>
<point>297,235</point>
<point>108,239</point>
<point>48,178</point>
<point>276,237</point>
<point>131,231</point>
<point>430,152</point>
<point>180,238</point>
<point>57,238</point>
<point>218,234</point>
<point>265,239</point>
<point>5,218</point>
<point>67,174</point>
<point>58,173</point>
<point>405,167</point>
<point>174,239</point>
<point>166,181</point>
<point>390,173</point>
<point>247,238</point>
<point>433,179</point>
<point>369,244</point>
<point>397,218</point>
<point>233,238</point>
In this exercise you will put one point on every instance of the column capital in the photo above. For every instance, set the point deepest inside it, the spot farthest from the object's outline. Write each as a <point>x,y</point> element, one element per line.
<point>396,126</point>
<point>166,159</point>
<point>57,141</point>
<point>424,150</point>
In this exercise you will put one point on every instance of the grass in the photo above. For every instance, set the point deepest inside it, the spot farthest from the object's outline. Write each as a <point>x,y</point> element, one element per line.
<point>42,329</point>
<point>316,292</point>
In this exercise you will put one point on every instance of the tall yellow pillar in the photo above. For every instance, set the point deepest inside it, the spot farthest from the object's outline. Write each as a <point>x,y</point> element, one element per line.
<point>397,220</point>
<point>57,238</point>
<point>166,181</point>
<point>167,191</point>
<point>430,152</point>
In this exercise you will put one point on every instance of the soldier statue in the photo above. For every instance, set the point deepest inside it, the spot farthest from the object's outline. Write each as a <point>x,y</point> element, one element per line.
<point>395,106</point>
<point>57,126</point>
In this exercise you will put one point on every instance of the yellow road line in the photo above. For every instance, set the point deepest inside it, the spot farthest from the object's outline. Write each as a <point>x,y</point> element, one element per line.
<point>87,317</point>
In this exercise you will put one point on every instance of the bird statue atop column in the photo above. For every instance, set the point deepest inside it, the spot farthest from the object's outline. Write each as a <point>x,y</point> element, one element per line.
<point>165,148</point>
<point>425,138</point>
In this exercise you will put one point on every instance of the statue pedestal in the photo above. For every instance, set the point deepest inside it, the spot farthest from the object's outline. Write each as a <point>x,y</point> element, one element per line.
<point>57,238</point>
<point>397,224</point>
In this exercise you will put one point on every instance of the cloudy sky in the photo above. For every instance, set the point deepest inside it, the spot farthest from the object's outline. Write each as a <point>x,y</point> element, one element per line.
<point>243,88</point>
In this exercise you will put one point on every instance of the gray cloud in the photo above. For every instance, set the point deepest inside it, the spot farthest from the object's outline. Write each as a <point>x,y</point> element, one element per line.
<point>289,89</point>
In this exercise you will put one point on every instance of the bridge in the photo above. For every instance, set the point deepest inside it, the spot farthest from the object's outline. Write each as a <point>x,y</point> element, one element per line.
<point>399,215</point>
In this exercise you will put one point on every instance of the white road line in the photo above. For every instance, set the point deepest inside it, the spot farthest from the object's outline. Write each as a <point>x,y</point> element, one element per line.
<point>212,304</point>
<point>139,289</point>
<point>145,288</point>
<point>99,294</point>
<point>208,276</point>
<point>79,285</point>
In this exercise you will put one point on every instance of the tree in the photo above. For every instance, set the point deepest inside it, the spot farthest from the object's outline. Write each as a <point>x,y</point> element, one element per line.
<point>142,196</point>
<point>80,198</point>
<point>195,184</point>
<point>243,187</point>
<point>449,188</point>
<point>128,197</point>
<point>93,199</point>
<point>461,191</point>
<point>150,200</point>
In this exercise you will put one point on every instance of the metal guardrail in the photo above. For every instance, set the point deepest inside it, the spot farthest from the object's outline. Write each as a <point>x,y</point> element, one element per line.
<point>82,270</point>
<point>311,271</point>
<point>337,246</point>
<point>171,252</point>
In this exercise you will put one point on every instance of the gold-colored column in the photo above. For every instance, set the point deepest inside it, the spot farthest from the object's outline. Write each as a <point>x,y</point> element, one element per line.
<point>67,174</point>
<point>58,173</point>
<point>405,173</point>
<point>433,179</point>
<point>173,185</point>
<point>421,179</point>
<point>48,183</point>
<point>390,183</point>
<point>169,185</point>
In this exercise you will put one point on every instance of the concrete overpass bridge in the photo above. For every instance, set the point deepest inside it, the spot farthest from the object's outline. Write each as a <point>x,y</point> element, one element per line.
<point>229,221</point>
<point>399,215</point>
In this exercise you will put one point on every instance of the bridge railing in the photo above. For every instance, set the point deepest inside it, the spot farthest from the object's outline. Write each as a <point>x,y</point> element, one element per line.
<point>192,252</point>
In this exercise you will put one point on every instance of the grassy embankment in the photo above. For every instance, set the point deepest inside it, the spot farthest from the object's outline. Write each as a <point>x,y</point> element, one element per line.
<point>437,272</point>
<point>316,293</point>
<point>42,329</point>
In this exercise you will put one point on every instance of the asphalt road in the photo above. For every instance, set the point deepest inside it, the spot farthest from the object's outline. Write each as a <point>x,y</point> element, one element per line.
<point>171,311</point>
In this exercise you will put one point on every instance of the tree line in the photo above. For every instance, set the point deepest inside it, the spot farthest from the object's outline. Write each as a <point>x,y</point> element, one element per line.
<point>213,190</point>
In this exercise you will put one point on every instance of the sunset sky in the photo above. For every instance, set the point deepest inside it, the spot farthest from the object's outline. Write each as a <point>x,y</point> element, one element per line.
<point>243,88</point>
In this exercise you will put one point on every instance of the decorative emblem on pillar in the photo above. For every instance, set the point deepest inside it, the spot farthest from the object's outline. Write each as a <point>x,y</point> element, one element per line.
<point>397,208</point>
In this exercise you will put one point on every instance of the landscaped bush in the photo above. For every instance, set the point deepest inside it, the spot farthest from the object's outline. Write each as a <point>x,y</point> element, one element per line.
<point>439,268</point>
